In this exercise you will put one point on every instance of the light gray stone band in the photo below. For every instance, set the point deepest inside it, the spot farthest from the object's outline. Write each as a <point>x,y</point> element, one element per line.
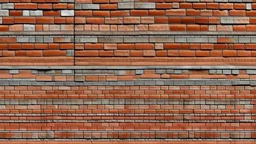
<point>132,39</point>
<point>151,82</point>
<point>42,39</point>
<point>163,39</point>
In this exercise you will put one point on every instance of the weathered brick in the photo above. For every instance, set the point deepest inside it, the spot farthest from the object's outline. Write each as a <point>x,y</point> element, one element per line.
<point>67,12</point>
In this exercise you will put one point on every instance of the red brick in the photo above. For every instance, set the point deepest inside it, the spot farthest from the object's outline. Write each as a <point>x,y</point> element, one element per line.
<point>229,53</point>
<point>54,53</point>
<point>25,6</point>
<point>187,53</point>
<point>178,27</point>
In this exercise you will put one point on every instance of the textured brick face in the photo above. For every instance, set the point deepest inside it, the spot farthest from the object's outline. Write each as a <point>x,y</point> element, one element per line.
<point>127,71</point>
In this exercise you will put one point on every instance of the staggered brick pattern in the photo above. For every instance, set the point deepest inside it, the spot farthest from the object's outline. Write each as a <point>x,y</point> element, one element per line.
<point>127,71</point>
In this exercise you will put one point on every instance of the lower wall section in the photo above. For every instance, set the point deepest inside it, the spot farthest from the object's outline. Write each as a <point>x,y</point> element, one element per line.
<point>128,104</point>
<point>127,112</point>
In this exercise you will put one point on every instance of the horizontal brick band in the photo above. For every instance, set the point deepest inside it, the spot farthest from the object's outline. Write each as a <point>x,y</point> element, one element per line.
<point>124,101</point>
<point>38,61</point>
<point>136,83</point>
<point>128,92</point>
<point>92,61</point>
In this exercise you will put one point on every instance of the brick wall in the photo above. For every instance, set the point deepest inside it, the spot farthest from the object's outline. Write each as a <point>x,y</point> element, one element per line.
<point>127,71</point>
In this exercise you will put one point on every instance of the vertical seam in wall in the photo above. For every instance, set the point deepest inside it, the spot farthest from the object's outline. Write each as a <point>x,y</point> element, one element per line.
<point>74,36</point>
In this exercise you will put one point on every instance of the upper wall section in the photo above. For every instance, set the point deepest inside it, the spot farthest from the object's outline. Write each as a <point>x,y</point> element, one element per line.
<point>127,32</point>
<point>36,32</point>
<point>36,17</point>
<point>165,32</point>
<point>165,16</point>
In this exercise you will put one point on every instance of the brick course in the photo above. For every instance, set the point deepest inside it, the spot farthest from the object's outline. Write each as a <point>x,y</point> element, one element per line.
<point>127,71</point>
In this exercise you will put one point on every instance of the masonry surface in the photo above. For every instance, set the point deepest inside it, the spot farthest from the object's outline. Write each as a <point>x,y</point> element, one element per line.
<point>127,71</point>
